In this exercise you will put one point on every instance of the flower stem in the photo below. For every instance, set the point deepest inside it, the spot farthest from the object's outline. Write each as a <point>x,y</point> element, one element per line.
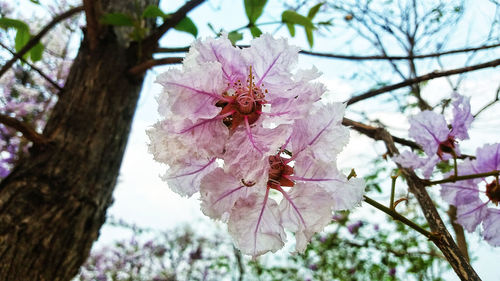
<point>395,215</point>
<point>455,169</point>
<point>393,189</point>
<point>460,178</point>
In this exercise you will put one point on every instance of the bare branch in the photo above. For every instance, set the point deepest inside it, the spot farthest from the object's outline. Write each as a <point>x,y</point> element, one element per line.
<point>27,131</point>
<point>140,68</point>
<point>426,77</point>
<point>38,70</point>
<point>351,57</point>
<point>372,132</point>
<point>151,41</point>
<point>35,39</point>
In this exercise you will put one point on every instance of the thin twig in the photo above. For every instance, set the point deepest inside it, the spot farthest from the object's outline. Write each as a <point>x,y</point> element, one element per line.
<point>495,100</point>
<point>35,39</point>
<point>27,131</point>
<point>151,41</point>
<point>38,70</point>
<point>426,77</point>
<point>351,57</point>
<point>461,178</point>
<point>395,215</point>
<point>140,68</point>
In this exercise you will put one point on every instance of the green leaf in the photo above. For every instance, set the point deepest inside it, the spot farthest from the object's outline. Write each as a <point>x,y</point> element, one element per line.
<point>291,28</point>
<point>7,23</point>
<point>290,16</point>
<point>22,37</point>
<point>153,11</point>
<point>254,9</point>
<point>187,25</point>
<point>35,1</point>
<point>256,32</point>
<point>309,34</point>
<point>234,36</point>
<point>36,52</point>
<point>117,19</point>
<point>314,10</point>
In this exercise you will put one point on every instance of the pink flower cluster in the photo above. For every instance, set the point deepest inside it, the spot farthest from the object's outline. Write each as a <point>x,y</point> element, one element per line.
<point>438,140</point>
<point>477,199</point>
<point>251,137</point>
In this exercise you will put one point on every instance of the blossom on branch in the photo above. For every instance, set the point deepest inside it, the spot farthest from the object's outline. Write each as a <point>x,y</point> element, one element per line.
<point>246,133</point>
<point>477,199</point>
<point>438,139</point>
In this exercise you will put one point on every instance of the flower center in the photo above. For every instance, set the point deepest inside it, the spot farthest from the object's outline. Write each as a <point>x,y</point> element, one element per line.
<point>245,102</point>
<point>493,192</point>
<point>278,172</point>
<point>447,146</point>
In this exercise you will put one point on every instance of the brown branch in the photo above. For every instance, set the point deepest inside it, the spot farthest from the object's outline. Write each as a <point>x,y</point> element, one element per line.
<point>35,39</point>
<point>376,57</point>
<point>93,27</point>
<point>459,231</point>
<point>38,70</point>
<point>352,57</point>
<point>27,131</point>
<point>441,237</point>
<point>373,132</point>
<point>426,77</point>
<point>150,42</point>
<point>140,68</point>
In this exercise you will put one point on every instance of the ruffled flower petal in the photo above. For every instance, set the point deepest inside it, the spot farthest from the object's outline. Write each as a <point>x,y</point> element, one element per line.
<point>305,210</point>
<point>255,225</point>
<point>219,192</point>
<point>462,117</point>
<point>184,177</point>
<point>491,225</point>
<point>192,93</point>
<point>470,215</point>
<point>428,129</point>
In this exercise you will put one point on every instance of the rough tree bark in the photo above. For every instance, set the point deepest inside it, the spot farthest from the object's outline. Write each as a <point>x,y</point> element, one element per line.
<point>53,203</point>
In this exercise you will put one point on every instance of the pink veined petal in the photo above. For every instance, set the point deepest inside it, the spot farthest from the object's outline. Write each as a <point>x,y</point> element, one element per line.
<point>219,192</point>
<point>462,192</point>
<point>184,178</point>
<point>192,93</point>
<point>202,136</point>
<point>321,132</point>
<point>491,225</point>
<point>428,129</point>
<point>271,59</point>
<point>462,117</point>
<point>255,226</point>
<point>241,155</point>
<point>488,158</point>
<point>409,159</point>
<point>470,215</point>
<point>305,210</point>
<point>429,166</point>
<point>250,136</point>
<point>221,50</point>
<point>346,194</point>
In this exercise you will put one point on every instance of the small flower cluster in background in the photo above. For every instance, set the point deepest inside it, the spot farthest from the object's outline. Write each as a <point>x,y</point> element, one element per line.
<point>254,139</point>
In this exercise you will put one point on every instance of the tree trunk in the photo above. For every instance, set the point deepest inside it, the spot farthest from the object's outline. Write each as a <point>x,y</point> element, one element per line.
<point>53,203</point>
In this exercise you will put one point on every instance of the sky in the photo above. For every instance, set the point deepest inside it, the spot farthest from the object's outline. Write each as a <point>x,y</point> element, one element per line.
<point>141,197</point>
